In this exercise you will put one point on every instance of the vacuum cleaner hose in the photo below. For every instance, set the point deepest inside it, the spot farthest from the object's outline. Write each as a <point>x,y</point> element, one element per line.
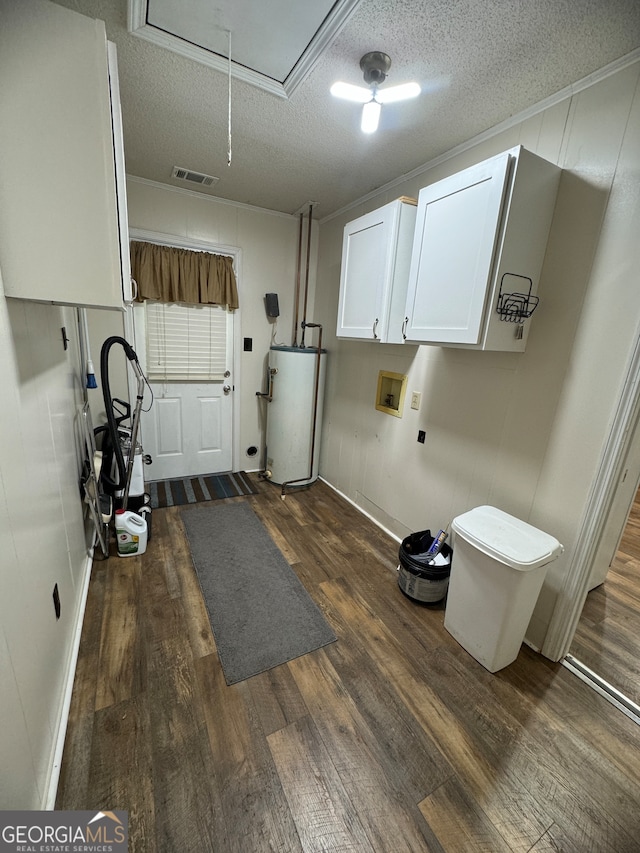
<point>108,402</point>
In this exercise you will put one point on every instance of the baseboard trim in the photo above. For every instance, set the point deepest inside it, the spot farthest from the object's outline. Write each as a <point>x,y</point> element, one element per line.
<point>361,510</point>
<point>58,748</point>
<point>606,690</point>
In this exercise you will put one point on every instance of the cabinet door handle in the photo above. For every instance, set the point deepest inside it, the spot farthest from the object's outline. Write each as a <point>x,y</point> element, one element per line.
<point>375,326</point>
<point>404,329</point>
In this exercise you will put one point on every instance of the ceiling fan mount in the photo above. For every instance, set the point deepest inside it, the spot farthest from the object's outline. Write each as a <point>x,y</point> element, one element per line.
<point>375,66</point>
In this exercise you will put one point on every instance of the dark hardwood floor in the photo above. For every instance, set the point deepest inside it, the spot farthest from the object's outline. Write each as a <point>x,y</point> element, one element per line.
<point>391,739</point>
<point>608,636</point>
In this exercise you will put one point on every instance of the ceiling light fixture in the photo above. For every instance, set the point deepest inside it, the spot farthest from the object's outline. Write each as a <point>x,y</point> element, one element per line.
<point>375,66</point>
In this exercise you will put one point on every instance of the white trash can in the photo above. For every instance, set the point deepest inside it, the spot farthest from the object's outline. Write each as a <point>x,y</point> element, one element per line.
<point>498,567</point>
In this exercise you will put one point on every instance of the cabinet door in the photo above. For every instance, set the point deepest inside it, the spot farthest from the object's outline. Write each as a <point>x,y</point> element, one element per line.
<point>456,231</point>
<point>59,238</point>
<point>365,258</point>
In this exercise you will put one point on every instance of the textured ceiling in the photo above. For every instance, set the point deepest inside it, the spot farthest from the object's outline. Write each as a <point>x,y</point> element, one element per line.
<point>479,62</point>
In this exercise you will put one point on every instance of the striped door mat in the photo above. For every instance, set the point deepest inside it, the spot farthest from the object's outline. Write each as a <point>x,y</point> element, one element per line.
<point>191,490</point>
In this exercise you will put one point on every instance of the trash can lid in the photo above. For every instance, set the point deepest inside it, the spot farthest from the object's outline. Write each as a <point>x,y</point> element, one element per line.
<point>507,539</point>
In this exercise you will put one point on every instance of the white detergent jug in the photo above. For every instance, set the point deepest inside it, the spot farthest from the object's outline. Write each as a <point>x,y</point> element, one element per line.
<point>131,533</point>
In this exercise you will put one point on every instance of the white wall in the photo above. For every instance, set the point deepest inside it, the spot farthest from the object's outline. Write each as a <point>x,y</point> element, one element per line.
<point>42,539</point>
<point>522,431</point>
<point>268,242</point>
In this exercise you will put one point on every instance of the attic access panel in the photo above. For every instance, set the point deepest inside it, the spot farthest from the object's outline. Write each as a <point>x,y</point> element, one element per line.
<point>274,43</point>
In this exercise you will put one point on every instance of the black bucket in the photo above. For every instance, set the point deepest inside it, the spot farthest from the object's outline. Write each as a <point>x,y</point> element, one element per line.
<point>417,576</point>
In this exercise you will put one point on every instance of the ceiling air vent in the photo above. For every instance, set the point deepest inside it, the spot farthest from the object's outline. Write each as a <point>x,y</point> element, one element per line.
<point>194,177</point>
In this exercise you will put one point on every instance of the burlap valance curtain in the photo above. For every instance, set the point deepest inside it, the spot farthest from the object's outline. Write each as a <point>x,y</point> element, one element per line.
<point>180,275</point>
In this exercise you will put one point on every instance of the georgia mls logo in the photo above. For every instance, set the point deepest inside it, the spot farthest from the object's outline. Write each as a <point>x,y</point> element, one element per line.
<point>104,830</point>
<point>64,832</point>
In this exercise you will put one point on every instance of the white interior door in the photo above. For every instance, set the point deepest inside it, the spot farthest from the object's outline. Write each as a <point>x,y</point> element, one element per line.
<point>188,430</point>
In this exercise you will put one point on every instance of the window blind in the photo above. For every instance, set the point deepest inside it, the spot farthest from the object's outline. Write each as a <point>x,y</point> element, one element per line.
<point>186,342</point>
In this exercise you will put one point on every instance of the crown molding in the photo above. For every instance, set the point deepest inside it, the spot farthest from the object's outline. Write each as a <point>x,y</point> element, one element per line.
<point>207,196</point>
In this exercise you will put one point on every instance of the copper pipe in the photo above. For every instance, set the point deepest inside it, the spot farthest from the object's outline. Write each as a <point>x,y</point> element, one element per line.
<point>269,394</point>
<point>306,279</point>
<point>297,294</point>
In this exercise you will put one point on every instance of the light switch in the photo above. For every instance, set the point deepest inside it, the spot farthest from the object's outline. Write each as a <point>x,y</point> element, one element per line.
<point>415,399</point>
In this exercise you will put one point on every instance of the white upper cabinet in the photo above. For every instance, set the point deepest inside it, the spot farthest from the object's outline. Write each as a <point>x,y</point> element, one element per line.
<point>480,240</point>
<point>376,254</point>
<point>61,216</point>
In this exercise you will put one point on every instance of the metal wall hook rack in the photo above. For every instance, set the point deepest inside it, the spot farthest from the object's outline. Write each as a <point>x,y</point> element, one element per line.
<point>516,307</point>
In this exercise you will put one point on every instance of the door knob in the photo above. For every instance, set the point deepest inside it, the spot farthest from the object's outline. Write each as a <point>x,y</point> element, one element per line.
<point>226,388</point>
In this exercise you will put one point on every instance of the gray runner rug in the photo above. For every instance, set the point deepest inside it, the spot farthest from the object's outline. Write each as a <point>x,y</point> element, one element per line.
<point>260,612</point>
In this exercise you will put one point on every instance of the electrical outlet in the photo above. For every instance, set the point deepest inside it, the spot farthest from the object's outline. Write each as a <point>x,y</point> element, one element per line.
<point>421,436</point>
<point>415,400</point>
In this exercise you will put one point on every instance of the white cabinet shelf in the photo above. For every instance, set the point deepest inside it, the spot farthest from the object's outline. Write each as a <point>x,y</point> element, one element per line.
<point>376,254</point>
<point>480,238</point>
<point>62,219</point>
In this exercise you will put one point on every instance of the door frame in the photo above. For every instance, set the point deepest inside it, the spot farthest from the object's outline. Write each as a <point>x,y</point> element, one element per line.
<point>235,252</point>
<point>571,598</point>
